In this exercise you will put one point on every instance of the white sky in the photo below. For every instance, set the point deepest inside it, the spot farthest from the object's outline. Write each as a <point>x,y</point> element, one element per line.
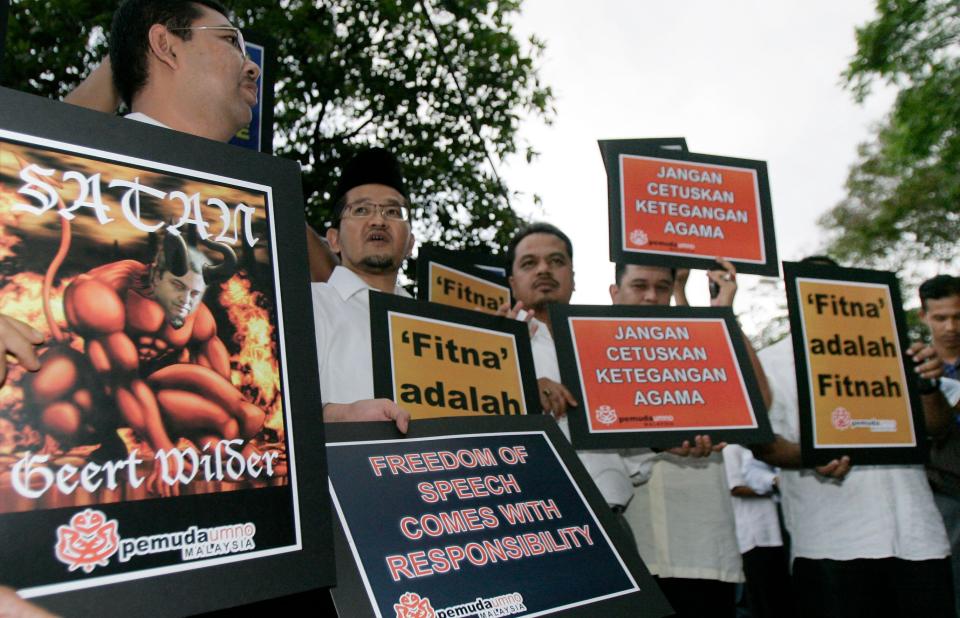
<point>751,79</point>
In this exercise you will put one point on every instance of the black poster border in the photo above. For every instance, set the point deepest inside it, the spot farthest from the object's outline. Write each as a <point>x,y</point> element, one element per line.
<point>382,304</point>
<point>454,261</point>
<point>217,585</point>
<point>485,262</point>
<point>770,267</point>
<point>645,145</point>
<point>890,455</point>
<point>4,17</point>
<point>567,356</point>
<point>351,597</point>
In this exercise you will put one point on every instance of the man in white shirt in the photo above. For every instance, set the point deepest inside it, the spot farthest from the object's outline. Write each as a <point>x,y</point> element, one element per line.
<point>753,485</point>
<point>680,514</point>
<point>371,231</point>
<point>865,540</point>
<point>183,65</point>
<point>540,262</point>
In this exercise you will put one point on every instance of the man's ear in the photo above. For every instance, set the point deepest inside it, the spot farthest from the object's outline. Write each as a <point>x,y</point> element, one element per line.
<point>614,290</point>
<point>333,237</point>
<point>162,43</point>
<point>411,243</point>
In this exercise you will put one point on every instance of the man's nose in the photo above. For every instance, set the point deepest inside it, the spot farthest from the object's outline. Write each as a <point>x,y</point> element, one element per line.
<point>250,69</point>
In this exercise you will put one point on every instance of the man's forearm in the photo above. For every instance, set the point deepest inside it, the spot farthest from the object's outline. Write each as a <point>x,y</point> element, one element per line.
<point>938,415</point>
<point>758,371</point>
<point>781,453</point>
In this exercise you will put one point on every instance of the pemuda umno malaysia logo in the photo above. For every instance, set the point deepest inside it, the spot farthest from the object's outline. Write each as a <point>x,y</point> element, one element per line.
<point>606,415</point>
<point>412,605</point>
<point>90,540</point>
<point>87,541</point>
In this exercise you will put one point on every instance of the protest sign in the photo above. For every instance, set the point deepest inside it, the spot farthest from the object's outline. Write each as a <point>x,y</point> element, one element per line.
<point>656,376</point>
<point>856,388</point>
<point>437,361</point>
<point>154,449</point>
<point>447,278</point>
<point>496,264</point>
<point>258,135</point>
<point>683,209</point>
<point>477,517</point>
<point>649,145</point>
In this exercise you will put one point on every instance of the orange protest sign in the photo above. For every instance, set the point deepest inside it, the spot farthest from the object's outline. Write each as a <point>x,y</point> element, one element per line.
<point>438,361</point>
<point>854,391</point>
<point>457,288</point>
<point>645,375</point>
<point>685,209</point>
<point>465,280</point>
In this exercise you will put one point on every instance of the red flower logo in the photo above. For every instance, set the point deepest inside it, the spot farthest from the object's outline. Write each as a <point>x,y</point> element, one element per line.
<point>88,541</point>
<point>639,237</point>
<point>606,415</point>
<point>412,606</point>
<point>841,418</point>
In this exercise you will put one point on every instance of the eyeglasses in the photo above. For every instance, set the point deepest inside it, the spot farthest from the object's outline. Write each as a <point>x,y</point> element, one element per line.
<point>364,209</point>
<point>238,35</point>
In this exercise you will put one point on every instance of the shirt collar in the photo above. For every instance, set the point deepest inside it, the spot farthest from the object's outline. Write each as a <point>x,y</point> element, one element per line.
<point>141,117</point>
<point>952,370</point>
<point>348,283</point>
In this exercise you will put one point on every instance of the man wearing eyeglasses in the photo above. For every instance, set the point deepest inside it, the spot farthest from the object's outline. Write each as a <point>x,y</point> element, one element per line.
<point>182,65</point>
<point>371,231</point>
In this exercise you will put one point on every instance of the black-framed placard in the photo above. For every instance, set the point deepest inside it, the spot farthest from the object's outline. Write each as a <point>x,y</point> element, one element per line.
<point>4,13</point>
<point>164,460</point>
<point>477,517</point>
<point>436,361</point>
<point>487,262</point>
<point>684,209</point>
<point>258,135</point>
<point>855,385</point>
<point>647,145</point>
<point>656,376</point>
<point>448,278</point>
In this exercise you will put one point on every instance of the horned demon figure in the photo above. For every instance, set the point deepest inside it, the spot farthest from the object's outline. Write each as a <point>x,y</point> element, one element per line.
<point>152,359</point>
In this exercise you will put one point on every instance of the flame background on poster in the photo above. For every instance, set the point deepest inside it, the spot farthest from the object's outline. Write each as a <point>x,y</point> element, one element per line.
<point>242,306</point>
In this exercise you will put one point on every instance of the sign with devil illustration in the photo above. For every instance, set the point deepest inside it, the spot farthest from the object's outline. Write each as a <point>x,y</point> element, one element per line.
<point>158,434</point>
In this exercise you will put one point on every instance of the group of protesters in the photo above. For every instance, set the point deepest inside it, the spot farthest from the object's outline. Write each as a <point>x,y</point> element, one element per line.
<point>852,541</point>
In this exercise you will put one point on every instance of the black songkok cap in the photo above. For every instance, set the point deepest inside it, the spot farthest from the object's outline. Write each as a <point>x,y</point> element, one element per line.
<point>376,166</point>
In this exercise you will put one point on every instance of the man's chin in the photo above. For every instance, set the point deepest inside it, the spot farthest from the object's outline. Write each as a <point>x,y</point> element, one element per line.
<point>379,263</point>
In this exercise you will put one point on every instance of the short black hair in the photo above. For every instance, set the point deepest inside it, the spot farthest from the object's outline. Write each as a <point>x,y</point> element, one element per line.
<point>535,228</point>
<point>129,36</point>
<point>621,269</point>
<point>941,286</point>
<point>371,166</point>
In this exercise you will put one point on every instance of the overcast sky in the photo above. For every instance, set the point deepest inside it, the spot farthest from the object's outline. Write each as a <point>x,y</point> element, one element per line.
<point>751,79</point>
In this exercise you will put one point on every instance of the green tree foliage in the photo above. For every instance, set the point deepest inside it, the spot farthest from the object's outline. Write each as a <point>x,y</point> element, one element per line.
<point>903,194</point>
<point>444,83</point>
